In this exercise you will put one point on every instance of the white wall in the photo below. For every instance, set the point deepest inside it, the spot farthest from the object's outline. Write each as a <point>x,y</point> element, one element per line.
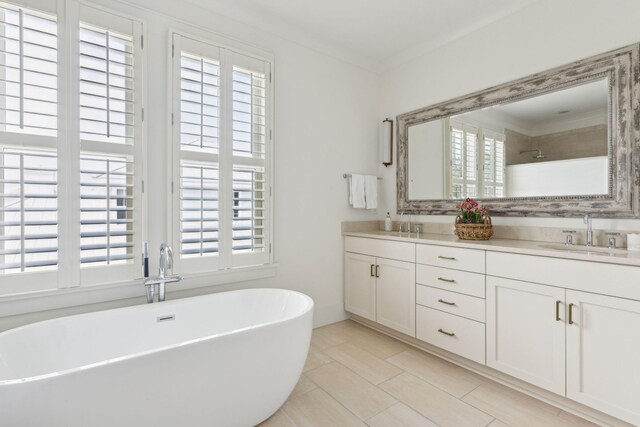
<point>546,34</point>
<point>326,123</point>
<point>426,161</point>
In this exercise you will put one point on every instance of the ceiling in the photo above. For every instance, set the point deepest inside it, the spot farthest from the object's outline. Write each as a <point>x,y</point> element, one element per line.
<point>371,33</point>
<point>569,108</point>
<point>566,104</point>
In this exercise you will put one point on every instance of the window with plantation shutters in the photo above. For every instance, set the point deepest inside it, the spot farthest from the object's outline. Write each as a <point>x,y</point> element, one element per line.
<point>29,164</point>
<point>477,158</point>
<point>71,197</point>
<point>110,155</point>
<point>221,135</point>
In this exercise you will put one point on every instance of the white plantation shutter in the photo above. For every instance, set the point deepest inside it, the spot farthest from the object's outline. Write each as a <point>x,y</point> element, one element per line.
<point>29,225</point>
<point>29,164</point>
<point>220,151</point>
<point>199,195</point>
<point>110,150</point>
<point>493,162</point>
<point>199,103</point>
<point>249,126</point>
<point>463,158</point>
<point>28,72</point>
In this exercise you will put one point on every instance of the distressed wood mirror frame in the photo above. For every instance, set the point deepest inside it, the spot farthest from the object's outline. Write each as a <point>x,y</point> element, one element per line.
<point>622,67</point>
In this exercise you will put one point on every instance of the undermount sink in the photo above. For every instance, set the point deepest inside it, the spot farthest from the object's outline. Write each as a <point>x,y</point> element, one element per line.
<point>596,250</point>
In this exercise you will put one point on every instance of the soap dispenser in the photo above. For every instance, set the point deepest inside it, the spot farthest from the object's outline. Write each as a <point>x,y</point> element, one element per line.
<point>387,223</point>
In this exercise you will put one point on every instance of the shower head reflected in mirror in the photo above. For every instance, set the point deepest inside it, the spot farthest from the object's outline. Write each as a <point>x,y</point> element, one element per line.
<point>538,154</point>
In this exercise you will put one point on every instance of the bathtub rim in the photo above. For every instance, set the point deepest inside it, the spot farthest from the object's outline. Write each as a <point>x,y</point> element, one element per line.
<point>310,304</point>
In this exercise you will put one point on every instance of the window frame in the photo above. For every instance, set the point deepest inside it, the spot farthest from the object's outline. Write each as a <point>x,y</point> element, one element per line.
<point>96,275</point>
<point>225,50</point>
<point>69,272</point>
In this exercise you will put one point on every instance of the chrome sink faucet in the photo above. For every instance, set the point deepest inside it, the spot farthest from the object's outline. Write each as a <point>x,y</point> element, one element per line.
<point>587,220</point>
<point>160,282</point>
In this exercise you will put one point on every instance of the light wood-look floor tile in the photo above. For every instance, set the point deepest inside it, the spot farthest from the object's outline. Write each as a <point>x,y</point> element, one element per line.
<point>315,358</point>
<point>317,409</point>
<point>514,408</point>
<point>354,374</point>
<point>325,338</point>
<point>435,404</point>
<point>400,415</point>
<point>378,344</point>
<point>304,385</point>
<point>279,419</point>
<point>351,390</point>
<point>362,362</point>
<point>444,375</point>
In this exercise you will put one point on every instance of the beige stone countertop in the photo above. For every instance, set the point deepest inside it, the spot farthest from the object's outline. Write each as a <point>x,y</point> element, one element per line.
<point>525,247</point>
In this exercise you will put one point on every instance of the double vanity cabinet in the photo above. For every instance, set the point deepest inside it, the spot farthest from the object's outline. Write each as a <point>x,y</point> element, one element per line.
<point>564,321</point>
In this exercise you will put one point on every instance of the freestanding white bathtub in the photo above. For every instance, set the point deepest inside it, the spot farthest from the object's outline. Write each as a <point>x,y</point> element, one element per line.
<point>226,359</point>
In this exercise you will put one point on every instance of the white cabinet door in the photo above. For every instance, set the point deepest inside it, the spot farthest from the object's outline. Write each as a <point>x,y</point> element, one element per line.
<point>603,354</point>
<point>396,290</point>
<point>360,285</point>
<point>526,332</point>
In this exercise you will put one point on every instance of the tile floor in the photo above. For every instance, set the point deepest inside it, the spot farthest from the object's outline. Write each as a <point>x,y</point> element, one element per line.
<point>355,376</point>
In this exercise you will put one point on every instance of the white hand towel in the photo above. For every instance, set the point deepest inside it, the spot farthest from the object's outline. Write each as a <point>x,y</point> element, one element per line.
<point>371,191</point>
<point>356,192</point>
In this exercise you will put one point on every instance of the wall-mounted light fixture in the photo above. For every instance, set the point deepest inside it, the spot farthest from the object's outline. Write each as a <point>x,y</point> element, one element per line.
<point>387,142</point>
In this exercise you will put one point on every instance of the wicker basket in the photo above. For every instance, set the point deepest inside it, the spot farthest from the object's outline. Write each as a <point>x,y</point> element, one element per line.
<point>474,231</point>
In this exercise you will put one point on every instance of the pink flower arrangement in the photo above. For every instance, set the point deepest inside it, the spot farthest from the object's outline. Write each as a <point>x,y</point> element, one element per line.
<point>471,212</point>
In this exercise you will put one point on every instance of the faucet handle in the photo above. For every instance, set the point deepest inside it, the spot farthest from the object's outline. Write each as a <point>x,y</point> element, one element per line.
<point>568,238</point>
<point>611,244</point>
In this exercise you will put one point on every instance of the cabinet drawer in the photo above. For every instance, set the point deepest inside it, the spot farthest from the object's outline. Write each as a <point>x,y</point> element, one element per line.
<point>446,256</point>
<point>597,277</point>
<point>451,280</point>
<point>401,251</point>
<point>451,302</point>
<point>436,327</point>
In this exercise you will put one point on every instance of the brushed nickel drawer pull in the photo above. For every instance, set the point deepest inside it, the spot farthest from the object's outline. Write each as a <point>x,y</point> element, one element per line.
<point>372,274</point>
<point>571,314</point>
<point>442,331</point>
<point>449,258</point>
<point>442,279</point>
<point>558,310</point>
<point>446,302</point>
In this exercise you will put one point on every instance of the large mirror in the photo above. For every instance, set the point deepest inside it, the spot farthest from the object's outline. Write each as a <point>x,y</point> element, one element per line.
<point>557,143</point>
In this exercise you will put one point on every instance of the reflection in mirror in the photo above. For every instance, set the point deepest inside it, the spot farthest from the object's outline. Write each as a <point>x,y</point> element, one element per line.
<point>553,144</point>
